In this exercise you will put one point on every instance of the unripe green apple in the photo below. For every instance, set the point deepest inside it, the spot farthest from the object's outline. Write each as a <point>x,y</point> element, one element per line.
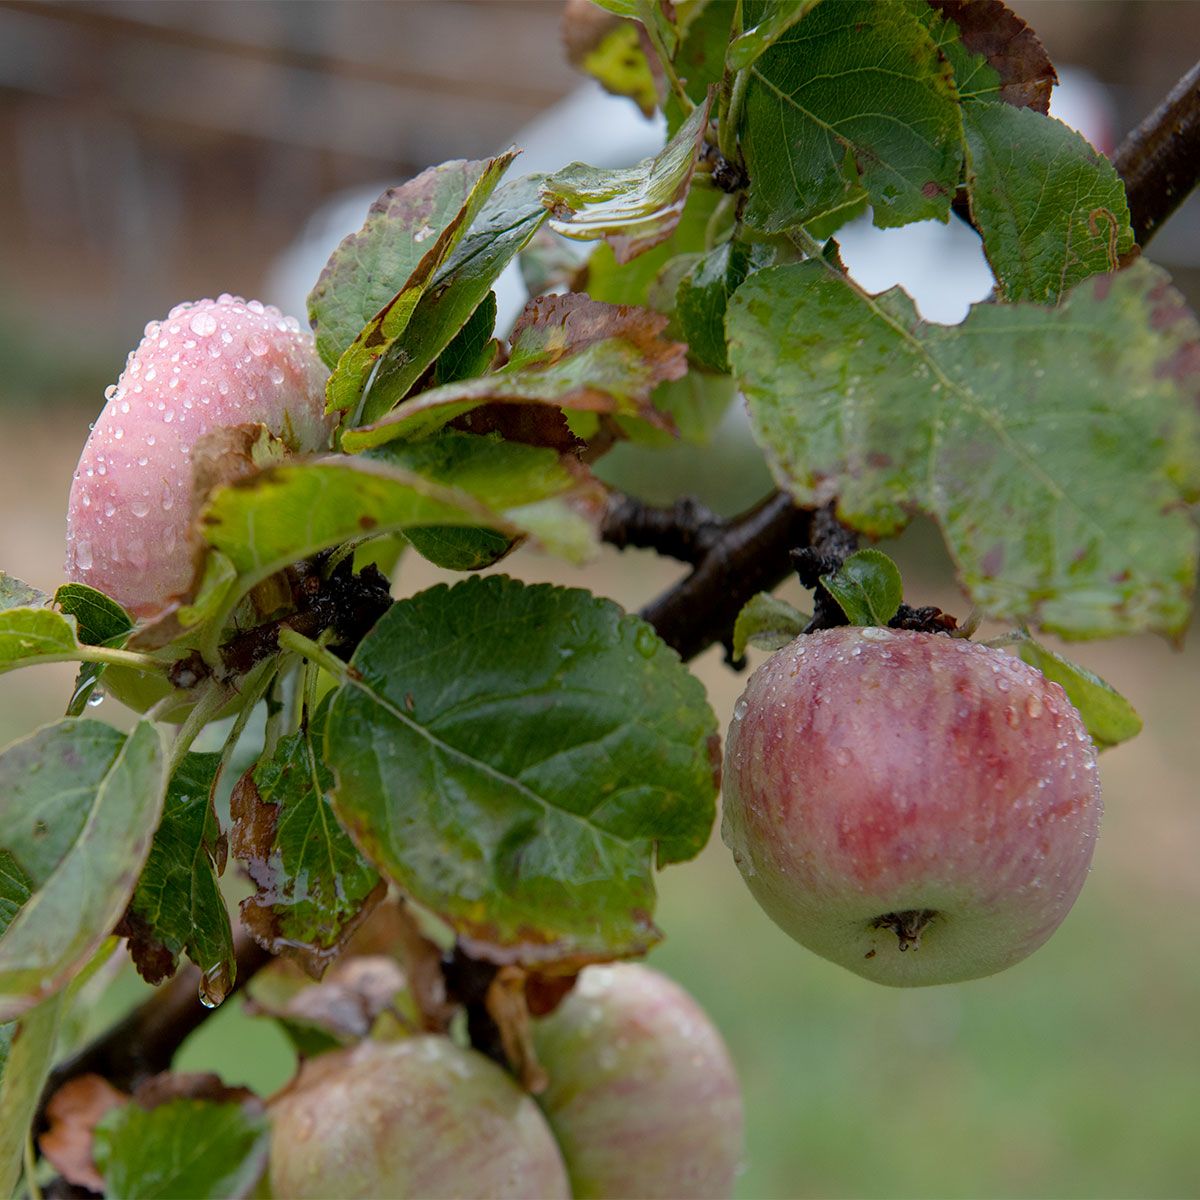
<point>919,808</point>
<point>418,1118</point>
<point>208,365</point>
<point>643,1097</point>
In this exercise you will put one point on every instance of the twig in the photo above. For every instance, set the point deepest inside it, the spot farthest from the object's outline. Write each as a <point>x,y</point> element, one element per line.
<point>144,1043</point>
<point>684,531</point>
<point>748,555</point>
<point>1160,160</point>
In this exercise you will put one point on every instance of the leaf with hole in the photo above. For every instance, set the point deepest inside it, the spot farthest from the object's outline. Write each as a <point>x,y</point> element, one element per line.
<point>853,101</point>
<point>1058,448</point>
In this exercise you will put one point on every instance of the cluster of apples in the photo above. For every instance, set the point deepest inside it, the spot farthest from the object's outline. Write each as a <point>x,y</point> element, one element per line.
<point>918,808</point>
<point>642,1101</point>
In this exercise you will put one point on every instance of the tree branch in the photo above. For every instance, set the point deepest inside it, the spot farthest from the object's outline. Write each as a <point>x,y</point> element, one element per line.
<point>144,1043</point>
<point>749,554</point>
<point>1160,160</point>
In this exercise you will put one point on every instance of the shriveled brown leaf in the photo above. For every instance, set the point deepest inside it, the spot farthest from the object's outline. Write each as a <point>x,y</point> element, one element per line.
<point>991,29</point>
<point>422,959</point>
<point>252,834</point>
<point>192,1085</point>
<point>73,1113</point>
<point>507,1006</point>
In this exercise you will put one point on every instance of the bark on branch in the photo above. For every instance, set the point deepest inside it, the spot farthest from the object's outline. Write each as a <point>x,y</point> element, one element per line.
<point>1160,160</point>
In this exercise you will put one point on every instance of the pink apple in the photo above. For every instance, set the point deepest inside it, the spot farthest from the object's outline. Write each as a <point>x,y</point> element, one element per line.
<point>421,1117</point>
<point>919,808</point>
<point>207,365</point>
<point>643,1097</point>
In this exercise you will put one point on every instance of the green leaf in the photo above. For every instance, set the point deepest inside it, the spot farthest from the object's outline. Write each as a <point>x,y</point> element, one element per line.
<point>371,266</point>
<point>653,14</point>
<point>1057,448</point>
<point>508,220</point>
<point>636,282</point>
<point>31,635</point>
<point>1109,717</point>
<point>99,621</point>
<point>78,806</point>
<point>772,19</point>
<point>1051,209</point>
<point>200,1149</point>
<point>437,207</point>
<point>631,208</point>
<point>568,352</point>
<point>867,586</point>
<point>271,520</point>
<point>26,1054</point>
<point>610,51</point>
<point>994,53</point>
<point>536,488</point>
<point>16,593</point>
<point>703,295</point>
<point>472,350</point>
<point>515,756</point>
<point>177,906</point>
<point>768,623</point>
<point>853,101</point>
<point>313,886</point>
<point>696,404</point>
<point>700,60</point>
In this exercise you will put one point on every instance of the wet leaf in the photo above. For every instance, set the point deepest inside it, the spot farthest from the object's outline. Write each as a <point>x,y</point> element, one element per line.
<point>631,208</point>
<point>568,352</point>
<point>1057,448</point>
<point>410,232</point>
<point>854,101</point>
<point>99,621</point>
<point>508,220</point>
<point>202,1149</point>
<point>78,806</point>
<point>313,887</point>
<point>867,587</point>
<point>177,907</point>
<point>771,20</point>
<point>703,295</point>
<point>472,350</point>
<point>767,623</point>
<point>516,757</point>
<point>1109,717</point>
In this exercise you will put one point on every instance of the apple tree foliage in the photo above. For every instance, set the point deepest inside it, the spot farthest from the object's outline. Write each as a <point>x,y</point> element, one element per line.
<point>519,761</point>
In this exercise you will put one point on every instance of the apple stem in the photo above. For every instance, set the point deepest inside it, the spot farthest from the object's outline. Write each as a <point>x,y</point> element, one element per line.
<point>907,925</point>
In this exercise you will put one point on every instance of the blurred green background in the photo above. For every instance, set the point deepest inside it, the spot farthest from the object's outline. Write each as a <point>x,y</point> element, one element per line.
<point>1076,1073</point>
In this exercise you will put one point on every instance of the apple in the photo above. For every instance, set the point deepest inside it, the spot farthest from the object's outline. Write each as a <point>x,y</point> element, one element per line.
<point>918,808</point>
<point>642,1097</point>
<point>420,1117</point>
<point>207,365</point>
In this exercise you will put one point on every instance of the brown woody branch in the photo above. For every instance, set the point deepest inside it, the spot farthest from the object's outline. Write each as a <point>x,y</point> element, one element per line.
<point>1160,160</point>
<point>144,1043</point>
